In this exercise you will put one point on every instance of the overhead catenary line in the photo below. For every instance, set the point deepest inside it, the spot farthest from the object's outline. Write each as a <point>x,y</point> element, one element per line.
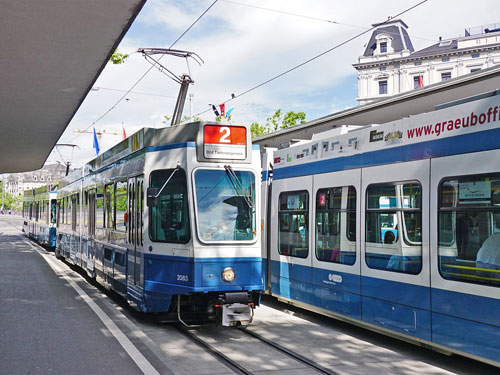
<point>233,96</point>
<point>144,75</point>
<point>315,18</point>
<point>133,92</point>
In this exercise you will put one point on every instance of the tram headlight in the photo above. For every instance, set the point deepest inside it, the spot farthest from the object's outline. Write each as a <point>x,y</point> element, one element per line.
<point>227,274</point>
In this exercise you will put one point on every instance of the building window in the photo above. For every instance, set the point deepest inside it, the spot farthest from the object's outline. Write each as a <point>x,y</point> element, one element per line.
<point>383,68</point>
<point>382,87</point>
<point>475,55</point>
<point>445,76</point>
<point>383,47</point>
<point>418,63</point>
<point>415,82</point>
<point>472,70</point>
<point>445,59</point>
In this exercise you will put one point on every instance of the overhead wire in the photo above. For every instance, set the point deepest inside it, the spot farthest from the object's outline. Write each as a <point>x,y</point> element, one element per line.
<point>311,17</point>
<point>144,75</point>
<point>233,97</point>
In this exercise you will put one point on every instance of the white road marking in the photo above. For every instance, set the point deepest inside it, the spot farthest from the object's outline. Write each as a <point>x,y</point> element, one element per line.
<point>134,353</point>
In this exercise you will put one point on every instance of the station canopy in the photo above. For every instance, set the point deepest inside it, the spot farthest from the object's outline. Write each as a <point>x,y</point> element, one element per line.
<point>51,53</point>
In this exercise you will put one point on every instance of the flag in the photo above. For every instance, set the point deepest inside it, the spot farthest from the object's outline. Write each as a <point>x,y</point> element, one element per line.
<point>420,81</point>
<point>228,113</point>
<point>124,134</point>
<point>222,110</point>
<point>215,110</point>
<point>96,144</point>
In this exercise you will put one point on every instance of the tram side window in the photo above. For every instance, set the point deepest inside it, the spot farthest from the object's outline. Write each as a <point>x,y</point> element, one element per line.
<point>77,210</point>
<point>109,201</point>
<point>121,206</point>
<point>394,227</point>
<point>99,208</point>
<point>85,209</point>
<point>69,210</point>
<point>169,219</point>
<point>53,210</point>
<point>336,225</point>
<point>469,229</point>
<point>293,218</point>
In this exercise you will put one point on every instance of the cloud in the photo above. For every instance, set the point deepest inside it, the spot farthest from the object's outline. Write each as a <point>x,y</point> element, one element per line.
<point>244,46</point>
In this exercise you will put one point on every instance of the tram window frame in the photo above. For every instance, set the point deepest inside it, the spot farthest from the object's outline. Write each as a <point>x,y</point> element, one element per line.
<point>99,207</point>
<point>85,207</point>
<point>345,211</point>
<point>475,225</point>
<point>77,210</point>
<point>286,213</point>
<point>225,213</point>
<point>69,209</point>
<point>109,203</point>
<point>183,222</point>
<point>120,199</point>
<point>384,254</point>
<point>74,211</point>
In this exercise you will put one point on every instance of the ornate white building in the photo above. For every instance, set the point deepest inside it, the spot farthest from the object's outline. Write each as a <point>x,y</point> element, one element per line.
<point>17,183</point>
<point>390,65</point>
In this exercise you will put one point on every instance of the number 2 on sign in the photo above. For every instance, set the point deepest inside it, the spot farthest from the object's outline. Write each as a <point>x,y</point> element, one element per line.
<point>225,136</point>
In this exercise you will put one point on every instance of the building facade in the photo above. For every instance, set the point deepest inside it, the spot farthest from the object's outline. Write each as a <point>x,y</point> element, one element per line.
<point>17,183</point>
<point>390,65</point>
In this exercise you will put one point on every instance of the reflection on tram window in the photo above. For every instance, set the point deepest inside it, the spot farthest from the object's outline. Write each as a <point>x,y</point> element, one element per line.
<point>109,202</point>
<point>226,206</point>
<point>469,229</point>
<point>121,206</point>
<point>99,210</point>
<point>336,225</point>
<point>169,219</point>
<point>293,216</point>
<point>394,227</point>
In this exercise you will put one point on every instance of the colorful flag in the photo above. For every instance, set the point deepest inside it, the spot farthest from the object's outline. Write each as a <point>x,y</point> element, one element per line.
<point>96,144</point>
<point>420,81</point>
<point>124,134</point>
<point>228,113</point>
<point>222,110</point>
<point>215,110</point>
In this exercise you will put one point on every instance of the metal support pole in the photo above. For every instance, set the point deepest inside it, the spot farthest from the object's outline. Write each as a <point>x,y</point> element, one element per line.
<point>181,99</point>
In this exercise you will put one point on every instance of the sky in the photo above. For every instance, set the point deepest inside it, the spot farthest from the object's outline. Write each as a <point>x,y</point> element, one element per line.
<point>243,45</point>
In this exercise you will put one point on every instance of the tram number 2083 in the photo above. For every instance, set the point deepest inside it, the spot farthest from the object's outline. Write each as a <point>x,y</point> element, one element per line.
<point>182,278</point>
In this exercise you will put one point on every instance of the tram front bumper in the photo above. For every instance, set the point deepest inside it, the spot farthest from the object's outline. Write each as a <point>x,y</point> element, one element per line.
<point>237,309</point>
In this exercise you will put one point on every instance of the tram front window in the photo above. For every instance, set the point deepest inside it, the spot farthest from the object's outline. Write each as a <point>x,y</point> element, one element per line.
<point>169,219</point>
<point>225,201</point>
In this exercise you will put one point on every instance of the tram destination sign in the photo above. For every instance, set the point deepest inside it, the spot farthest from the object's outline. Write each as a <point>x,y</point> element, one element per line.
<point>225,142</point>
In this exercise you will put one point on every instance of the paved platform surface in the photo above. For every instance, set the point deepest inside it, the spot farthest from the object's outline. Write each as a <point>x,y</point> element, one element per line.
<point>52,321</point>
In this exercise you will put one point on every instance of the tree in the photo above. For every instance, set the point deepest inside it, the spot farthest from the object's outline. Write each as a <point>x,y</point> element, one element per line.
<point>277,121</point>
<point>118,58</point>
<point>10,201</point>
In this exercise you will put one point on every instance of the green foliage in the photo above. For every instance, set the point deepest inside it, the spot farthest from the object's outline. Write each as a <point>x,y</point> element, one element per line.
<point>118,58</point>
<point>10,202</point>
<point>278,121</point>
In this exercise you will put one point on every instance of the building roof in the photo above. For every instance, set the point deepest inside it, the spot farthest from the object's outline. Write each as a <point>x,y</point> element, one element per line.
<point>397,30</point>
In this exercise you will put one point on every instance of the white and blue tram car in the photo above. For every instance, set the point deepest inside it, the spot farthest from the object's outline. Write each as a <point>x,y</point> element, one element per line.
<point>168,218</point>
<point>395,227</point>
<point>39,213</point>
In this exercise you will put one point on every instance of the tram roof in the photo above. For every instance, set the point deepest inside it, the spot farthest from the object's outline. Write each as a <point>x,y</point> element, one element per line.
<point>51,53</point>
<point>392,108</point>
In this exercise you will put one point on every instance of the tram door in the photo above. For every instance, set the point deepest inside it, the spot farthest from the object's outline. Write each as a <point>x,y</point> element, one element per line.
<point>135,225</point>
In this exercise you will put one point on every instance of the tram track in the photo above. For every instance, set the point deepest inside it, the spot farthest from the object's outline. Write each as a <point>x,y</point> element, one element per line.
<point>241,368</point>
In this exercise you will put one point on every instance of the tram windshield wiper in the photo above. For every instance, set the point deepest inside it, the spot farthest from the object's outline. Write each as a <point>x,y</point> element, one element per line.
<point>153,193</point>
<point>238,186</point>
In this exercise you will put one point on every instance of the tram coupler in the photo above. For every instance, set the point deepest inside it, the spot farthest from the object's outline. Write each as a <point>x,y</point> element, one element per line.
<point>237,309</point>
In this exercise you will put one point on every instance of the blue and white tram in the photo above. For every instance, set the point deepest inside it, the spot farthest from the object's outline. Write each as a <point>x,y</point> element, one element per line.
<point>167,218</point>
<point>395,227</point>
<point>39,213</point>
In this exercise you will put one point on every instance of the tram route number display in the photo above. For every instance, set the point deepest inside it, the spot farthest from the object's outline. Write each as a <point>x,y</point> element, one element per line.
<point>225,142</point>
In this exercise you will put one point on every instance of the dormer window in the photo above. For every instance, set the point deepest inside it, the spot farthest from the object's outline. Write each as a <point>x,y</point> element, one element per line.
<point>383,47</point>
<point>384,44</point>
